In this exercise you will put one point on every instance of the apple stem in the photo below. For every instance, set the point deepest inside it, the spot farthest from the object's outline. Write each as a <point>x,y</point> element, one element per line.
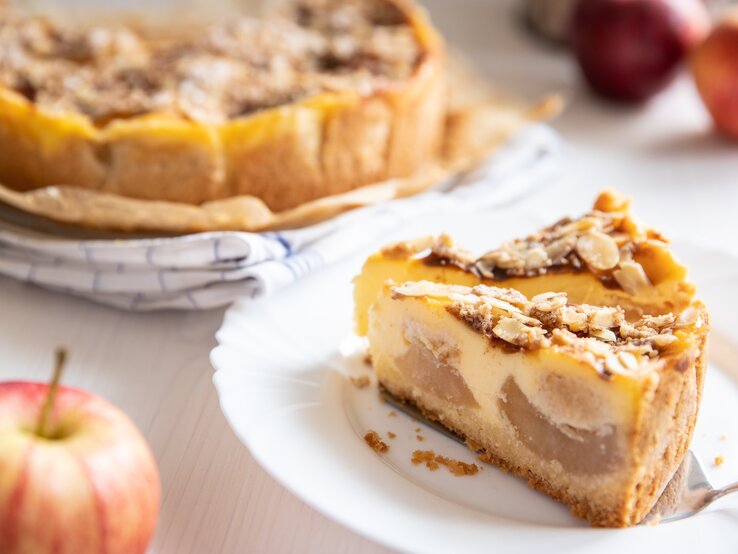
<point>61,359</point>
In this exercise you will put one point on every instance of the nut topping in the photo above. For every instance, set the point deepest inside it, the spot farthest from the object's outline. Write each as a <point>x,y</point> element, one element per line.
<point>631,277</point>
<point>602,241</point>
<point>515,332</point>
<point>561,248</point>
<point>598,250</point>
<point>598,335</point>
<point>549,301</point>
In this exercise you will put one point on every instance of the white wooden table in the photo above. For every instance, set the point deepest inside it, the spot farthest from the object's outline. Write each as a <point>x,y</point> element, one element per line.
<point>156,368</point>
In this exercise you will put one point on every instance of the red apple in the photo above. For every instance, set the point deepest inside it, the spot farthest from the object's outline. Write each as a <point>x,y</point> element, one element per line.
<point>715,70</point>
<point>75,474</point>
<point>629,50</point>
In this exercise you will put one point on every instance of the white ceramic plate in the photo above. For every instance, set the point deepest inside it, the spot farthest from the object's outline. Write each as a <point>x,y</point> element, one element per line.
<point>281,377</point>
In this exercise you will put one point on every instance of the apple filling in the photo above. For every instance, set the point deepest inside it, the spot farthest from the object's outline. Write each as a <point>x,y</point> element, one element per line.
<point>577,450</point>
<point>431,364</point>
<point>560,418</point>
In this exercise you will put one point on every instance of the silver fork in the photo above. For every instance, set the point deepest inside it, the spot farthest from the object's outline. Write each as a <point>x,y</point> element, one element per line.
<point>688,493</point>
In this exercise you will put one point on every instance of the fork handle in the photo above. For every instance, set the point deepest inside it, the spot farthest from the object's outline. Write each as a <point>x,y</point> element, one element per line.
<point>719,493</point>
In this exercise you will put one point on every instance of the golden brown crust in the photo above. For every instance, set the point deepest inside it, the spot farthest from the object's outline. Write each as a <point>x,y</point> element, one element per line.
<point>286,156</point>
<point>677,399</point>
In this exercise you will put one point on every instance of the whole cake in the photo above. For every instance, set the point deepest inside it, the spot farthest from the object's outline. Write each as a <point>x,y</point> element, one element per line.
<point>317,98</point>
<point>574,358</point>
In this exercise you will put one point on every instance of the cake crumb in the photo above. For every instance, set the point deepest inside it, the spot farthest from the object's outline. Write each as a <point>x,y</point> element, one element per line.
<point>719,460</point>
<point>376,443</point>
<point>433,461</point>
<point>360,382</point>
<point>392,414</point>
<point>418,429</point>
<point>391,435</point>
<point>723,437</point>
<point>428,457</point>
<point>368,359</point>
<point>473,445</point>
<point>421,438</point>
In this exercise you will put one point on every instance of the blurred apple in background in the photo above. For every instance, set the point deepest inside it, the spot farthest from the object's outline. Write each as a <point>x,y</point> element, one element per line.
<point>76,476</point>
<point>629,50</point>
<point>715,69</point>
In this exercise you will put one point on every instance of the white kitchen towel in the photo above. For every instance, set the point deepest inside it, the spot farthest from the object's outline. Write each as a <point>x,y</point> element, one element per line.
<point>208,270</point>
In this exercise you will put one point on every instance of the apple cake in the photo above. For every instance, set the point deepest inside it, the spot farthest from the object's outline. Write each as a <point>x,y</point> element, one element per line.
<point>318,98</point>
<point>588,407</point>
<point>574,357</point>
<point>605,258</point>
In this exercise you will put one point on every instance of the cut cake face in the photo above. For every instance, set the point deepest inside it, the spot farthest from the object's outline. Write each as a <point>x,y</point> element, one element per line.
<point>590,408</point>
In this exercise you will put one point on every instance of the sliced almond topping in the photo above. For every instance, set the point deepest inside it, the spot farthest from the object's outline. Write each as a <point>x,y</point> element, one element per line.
<point>468,299</point>
<point>631,277</point>
<point>536,258</point>
<point>687,317</point>
<point>563,337</point>
<point>606,318</point>
<point>427,288</point>
<point>525,320</point>
<point>575,320</point>
<point>643,349</point>
<point>662,341</point>
<point>596,347</point>
<point>657,321</point>
<point>612,364</point>
<point>561,248</point>
<point>628,360</point>
<point>501,305</point>
<point>603,334</point>
<point>515,332</point>
<point>549,301</point>
<point>510,330</point>
<point>579,225</point>
<point>598,250</point>
<point>506,259</point>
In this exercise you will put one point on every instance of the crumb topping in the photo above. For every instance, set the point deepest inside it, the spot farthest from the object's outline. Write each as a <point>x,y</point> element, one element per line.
<point>603,242</point>
<point>433,461</point>
<point>226,71</point>
<point>376,443</point>
<point>598,335</point>
<point>360,382</point>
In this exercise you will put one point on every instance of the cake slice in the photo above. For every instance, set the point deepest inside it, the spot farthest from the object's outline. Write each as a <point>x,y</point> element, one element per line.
<point>604,258</point>
<point>589,408</point>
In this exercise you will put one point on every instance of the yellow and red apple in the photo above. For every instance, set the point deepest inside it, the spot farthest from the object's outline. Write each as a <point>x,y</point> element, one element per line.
<point>715,70</point>
<point>76,476</point>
